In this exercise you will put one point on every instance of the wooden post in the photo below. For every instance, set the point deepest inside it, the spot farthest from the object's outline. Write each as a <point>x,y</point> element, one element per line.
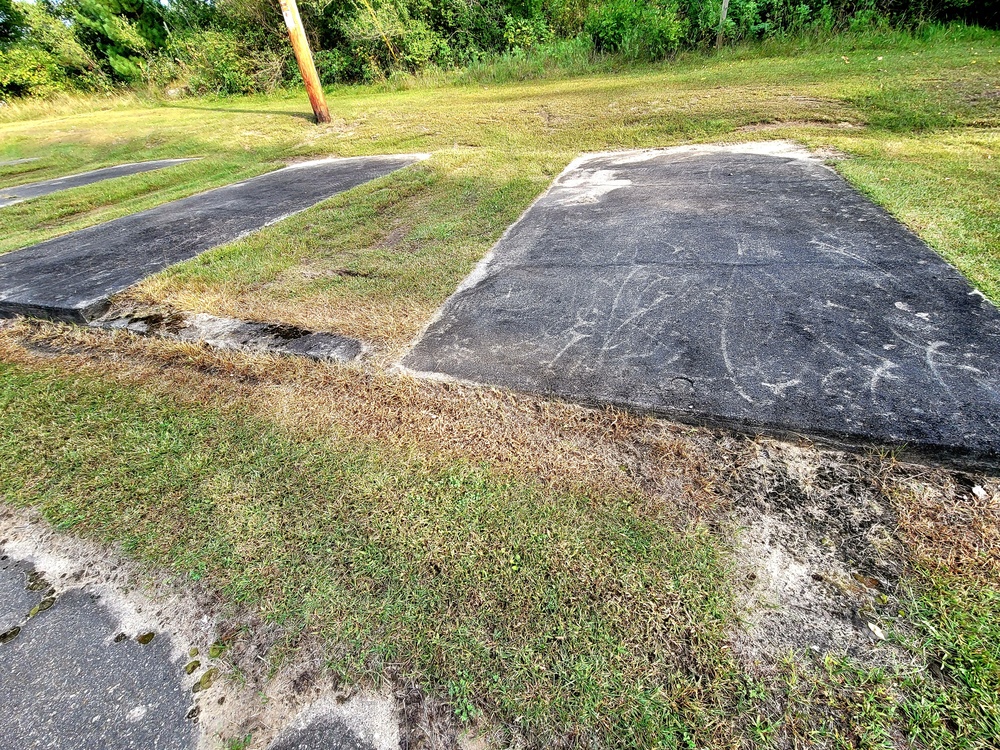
<point>722,23</point>
<point>303,56</point>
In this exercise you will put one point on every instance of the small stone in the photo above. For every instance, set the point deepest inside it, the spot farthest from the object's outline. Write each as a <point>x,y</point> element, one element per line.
<point>120,637</point>
<point>216,649</point>
<point>193,713</point>
<point>979,492</point>
<point>145,638</point>
<point>46,603</point>
<point>876,631</point>
<point>192,666</point>
<point>193,653</point>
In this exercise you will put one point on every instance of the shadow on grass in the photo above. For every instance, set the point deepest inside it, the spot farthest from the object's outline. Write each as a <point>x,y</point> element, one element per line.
<point>300,115</point>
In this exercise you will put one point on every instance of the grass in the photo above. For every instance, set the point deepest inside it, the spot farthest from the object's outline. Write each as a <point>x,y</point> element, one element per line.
<point>378,262</point>
<point>558,575</point>
<point>561,608</point>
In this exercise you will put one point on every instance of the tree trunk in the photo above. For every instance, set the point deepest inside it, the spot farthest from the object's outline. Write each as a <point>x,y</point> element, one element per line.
<point>722,23</point>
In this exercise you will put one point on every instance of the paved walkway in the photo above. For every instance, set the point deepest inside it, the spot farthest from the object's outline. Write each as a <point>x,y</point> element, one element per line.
<point>81,669</point>
<point>67,682</point>
<point>748,286</point>
<point>72,277</point>
<point>18,193</point>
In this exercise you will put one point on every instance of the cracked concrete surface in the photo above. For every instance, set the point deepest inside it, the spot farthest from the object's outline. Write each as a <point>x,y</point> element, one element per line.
<point>70,679</point>
<point>93,659</point>
<point>229,333</point>
<point>746,286</point>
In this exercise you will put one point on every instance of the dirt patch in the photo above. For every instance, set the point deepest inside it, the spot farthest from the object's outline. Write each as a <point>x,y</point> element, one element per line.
<point>825,538</point>
<point>819,552</point>
<point>394,238</point>
<point>784,124</point>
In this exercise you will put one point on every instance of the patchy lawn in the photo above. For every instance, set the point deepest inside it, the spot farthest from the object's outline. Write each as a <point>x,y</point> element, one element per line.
<point>919,119</point>
<point>553,575</point>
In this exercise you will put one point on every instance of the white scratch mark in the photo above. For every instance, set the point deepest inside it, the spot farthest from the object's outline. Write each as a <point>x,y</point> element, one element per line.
<point>778,389</point>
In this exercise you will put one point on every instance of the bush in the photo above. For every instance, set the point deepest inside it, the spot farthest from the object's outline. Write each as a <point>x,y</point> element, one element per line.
<point>241,46</point>
<point>214,62</point>
<point>636,29</point>
<point>26,70</point>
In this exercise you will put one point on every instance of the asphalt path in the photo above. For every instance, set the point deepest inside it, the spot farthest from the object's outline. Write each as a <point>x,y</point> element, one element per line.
<point>72,277</point>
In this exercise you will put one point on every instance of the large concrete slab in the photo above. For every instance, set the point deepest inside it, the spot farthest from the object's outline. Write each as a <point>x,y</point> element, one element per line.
<point>18,193</point>
<point>746,286</point>
<point>72,277</point>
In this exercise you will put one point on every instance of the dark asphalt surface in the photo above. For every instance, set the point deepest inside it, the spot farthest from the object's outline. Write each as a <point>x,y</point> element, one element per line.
<point>71,680</point>
<point>71,278</point>
<point>68,684</point>
<point>752,290</point>
<point>18,193</point>
<point>320,734</point>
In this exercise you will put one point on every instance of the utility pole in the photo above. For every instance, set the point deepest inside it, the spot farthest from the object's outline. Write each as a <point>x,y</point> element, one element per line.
<point>303,56</point>
<point>722,23</point>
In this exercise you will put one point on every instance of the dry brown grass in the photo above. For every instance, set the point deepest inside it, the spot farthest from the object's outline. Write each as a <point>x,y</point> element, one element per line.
<point>563,445</point>
<point>950,522</point>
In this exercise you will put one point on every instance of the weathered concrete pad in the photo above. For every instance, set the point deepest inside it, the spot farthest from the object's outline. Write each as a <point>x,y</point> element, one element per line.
<point>362,723</point>
<point>69,682</point>
<point>71,278</point>
<point>18,193</point>
<point>747,286</point>
<point>229,333</point>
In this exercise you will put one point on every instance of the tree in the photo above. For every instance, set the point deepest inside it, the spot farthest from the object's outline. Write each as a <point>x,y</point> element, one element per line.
<point>12,23</point>
<point>124,33</point>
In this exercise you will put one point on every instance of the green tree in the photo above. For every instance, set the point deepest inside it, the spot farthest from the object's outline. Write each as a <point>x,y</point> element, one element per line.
<point>122,34</point>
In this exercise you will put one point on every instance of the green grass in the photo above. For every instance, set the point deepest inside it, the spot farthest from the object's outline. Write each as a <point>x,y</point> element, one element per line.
<point>562,609</point>
<point>560,616</point>
<point>564,614</point>
<point>929,107</point>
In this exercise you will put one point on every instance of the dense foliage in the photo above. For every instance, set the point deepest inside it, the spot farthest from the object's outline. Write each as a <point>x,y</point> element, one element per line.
<point>239,46</point>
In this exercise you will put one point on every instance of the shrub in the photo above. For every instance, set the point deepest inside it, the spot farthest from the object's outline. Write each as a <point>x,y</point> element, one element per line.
<point>636,29</point>
<point>26,70</point>
<point>215,62</point>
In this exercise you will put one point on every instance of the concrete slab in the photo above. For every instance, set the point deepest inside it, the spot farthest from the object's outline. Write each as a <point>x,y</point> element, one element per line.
<point>364,722</point>
<point>747,286</point>
<point>18,193</point>
<point>229,333</point>
<point>321,734</point>
<point>71,278</point>
<point>69,680</point>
